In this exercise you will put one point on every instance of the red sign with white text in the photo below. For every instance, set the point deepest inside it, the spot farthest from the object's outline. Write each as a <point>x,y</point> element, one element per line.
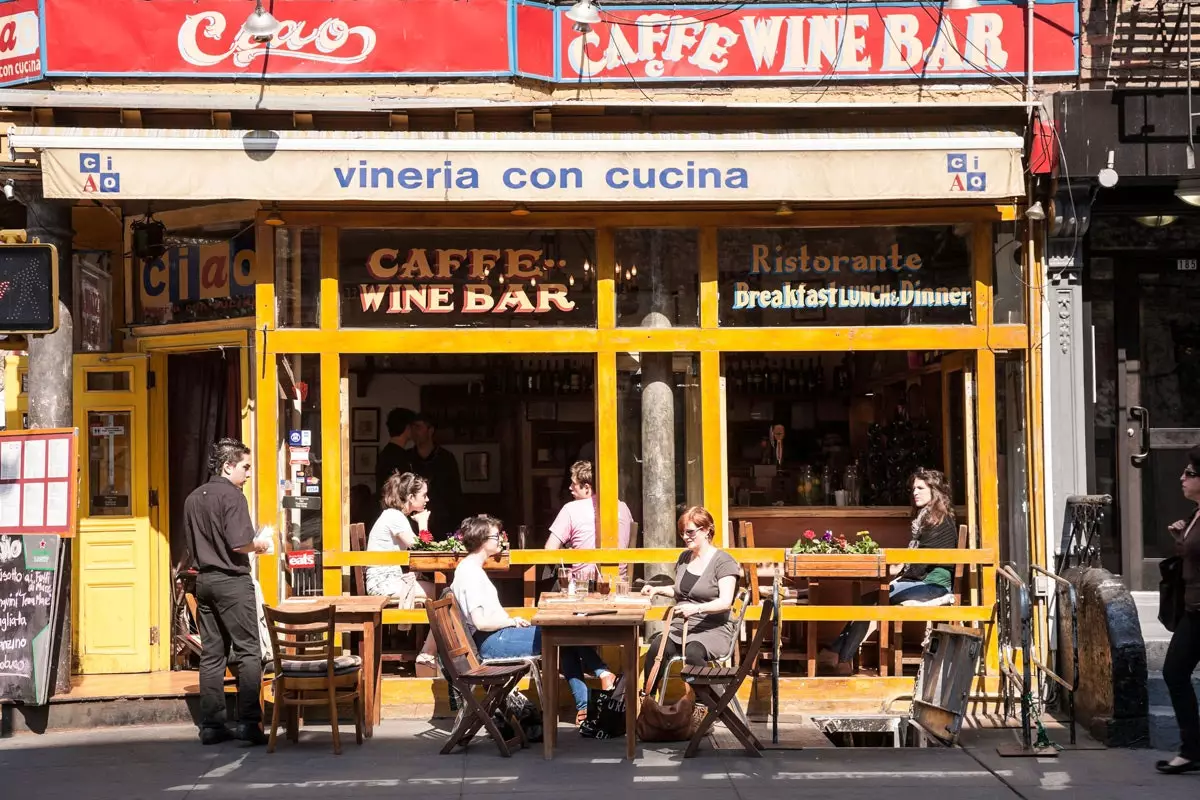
<point>797,42</point>
<point>20,43</point>
<point>812,41</point>
<point>372,38</point>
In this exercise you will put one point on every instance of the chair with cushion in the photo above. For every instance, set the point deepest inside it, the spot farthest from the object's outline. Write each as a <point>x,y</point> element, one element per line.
<point>962,587</point>
<point>717,689</point>
<point>465,673</point>
<point>309,671</point>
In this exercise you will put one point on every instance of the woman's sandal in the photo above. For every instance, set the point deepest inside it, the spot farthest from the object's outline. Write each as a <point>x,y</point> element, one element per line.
<point>580,717</point>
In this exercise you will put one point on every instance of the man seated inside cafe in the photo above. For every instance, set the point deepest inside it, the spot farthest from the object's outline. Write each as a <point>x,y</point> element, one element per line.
<point>439,467</point>
<point>576,523</point>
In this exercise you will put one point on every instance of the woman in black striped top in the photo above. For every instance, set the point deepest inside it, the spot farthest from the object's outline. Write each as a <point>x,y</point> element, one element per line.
<point>916,584</point>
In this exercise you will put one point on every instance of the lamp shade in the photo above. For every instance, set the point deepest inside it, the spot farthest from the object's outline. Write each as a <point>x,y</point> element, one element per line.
<point>1188,191</point>
<point>584,12</point>
<point>261,24</point>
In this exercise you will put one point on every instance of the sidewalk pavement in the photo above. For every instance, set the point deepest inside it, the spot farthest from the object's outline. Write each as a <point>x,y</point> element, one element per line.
<point>168,763</point>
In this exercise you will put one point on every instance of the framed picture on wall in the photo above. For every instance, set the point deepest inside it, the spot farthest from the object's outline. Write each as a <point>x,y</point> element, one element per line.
<point>364,425</point>
<point>364,459</point>
<point>476,466</point>
<point>810,314</point>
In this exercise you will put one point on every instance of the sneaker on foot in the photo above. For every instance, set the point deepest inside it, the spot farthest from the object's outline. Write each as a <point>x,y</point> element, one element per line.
<point>215,735</point>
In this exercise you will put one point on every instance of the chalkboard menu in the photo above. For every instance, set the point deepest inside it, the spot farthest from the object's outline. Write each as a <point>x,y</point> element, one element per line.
<point>28,288</point>
<point>29,595</point>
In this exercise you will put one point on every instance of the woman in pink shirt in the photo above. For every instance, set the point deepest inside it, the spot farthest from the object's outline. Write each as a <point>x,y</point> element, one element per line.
<point>575,526</point>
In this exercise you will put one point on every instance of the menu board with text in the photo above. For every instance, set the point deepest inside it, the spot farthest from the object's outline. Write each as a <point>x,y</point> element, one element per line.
<point>38,482</point>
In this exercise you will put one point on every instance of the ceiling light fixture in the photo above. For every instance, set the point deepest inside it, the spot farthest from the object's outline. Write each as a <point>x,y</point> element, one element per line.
<point>784,210</point>
<point>274,219</point>
<point>519,210</point>
<point>261,25</point>
<point>1189,191</point>
<point>584,12</point>
<point>1158,221</point>
<point>962,5</point>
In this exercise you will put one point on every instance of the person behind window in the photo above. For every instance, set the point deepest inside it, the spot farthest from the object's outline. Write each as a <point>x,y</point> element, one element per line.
<point>1183,654</point>
<point>575,526</point>
<point>438,466</point>
<point>496,633</point>
<point>396,529</point>
<point>706,580</point>
<point>396,457</point>
<point>916,584</point>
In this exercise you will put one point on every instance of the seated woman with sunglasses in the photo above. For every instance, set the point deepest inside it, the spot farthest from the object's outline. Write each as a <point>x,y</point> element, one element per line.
<point>500,636</point>
<point>705,582</point>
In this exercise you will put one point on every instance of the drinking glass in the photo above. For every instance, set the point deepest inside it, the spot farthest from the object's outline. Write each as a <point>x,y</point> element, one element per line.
<point>603,586</point>
<point>565,584</point>
<point>621,588</point>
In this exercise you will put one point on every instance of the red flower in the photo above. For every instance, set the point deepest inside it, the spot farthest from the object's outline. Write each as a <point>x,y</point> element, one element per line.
<point>810,535</point>
<point>426,537</point>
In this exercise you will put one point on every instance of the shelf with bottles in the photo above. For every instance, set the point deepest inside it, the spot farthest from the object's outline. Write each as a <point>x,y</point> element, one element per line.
<point>796,378</point>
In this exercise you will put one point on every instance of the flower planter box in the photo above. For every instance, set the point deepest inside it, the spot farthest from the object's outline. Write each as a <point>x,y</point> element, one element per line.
<point>819,565</point>
<point>441,561</point>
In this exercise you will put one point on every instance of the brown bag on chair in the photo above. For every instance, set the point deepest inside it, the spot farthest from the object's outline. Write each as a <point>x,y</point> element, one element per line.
<point>660,722</point>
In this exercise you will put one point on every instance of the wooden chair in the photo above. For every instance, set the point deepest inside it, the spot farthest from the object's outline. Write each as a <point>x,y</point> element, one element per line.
<point>962,587</point>
<point>717,688</point>
<point>760,579</point>
<point>306,662</point>
<point>737,613</point>
<point>402,653</point>
<point>464,672</point>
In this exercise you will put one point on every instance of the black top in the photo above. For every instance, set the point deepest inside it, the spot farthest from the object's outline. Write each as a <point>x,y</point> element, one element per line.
<point>942,536</point>
<point>216,521</point>
<point>1189,549</point>
<point>446,510</point>
<point>392,458</point>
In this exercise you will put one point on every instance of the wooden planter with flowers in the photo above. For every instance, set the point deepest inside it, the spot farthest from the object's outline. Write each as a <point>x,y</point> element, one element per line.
<point>443,556</point>
<point>827,556</point>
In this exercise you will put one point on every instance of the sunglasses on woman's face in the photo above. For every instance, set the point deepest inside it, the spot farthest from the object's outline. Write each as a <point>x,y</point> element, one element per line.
<point>692,533</point>
<point>1190,473</point>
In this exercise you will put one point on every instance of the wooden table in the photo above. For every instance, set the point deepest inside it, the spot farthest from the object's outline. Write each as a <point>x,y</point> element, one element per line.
<point>562,626</point>
<point>356,614</point>
<point>868,576</point>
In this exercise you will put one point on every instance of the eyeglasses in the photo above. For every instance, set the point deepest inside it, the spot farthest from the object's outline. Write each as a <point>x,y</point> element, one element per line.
<point>1190,473</point>
<point>692,533</point>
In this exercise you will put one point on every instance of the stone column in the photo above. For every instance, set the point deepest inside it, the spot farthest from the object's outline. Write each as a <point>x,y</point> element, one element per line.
<point>1066,386</point>
<point>50,376</point>
<point>658,418</point>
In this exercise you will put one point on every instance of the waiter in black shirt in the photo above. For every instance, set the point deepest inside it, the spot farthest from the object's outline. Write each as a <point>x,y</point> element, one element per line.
<point>216,521</point>
<point>439,467</point>
<point>395,457</point>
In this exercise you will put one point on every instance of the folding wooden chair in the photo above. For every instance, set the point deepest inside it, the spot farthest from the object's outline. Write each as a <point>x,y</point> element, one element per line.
<point>962,588</point>
<point>465,673</point>
<point>717,688</point>
<point>307,663</point>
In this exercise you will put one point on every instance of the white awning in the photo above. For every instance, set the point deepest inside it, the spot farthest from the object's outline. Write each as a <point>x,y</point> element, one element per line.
<point>963,164</point>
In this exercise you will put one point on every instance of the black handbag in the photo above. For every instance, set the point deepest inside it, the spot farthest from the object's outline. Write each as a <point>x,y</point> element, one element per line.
<point>605,713</point>
<point>1171,607</point>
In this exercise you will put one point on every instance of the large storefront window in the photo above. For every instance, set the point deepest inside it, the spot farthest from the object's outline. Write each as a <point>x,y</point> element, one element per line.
<point>297,277</point>
<point>467,278</point>
<point>205,273</point>
<point>657,278</point>
<point>845,276</point>
<point>660,466</point>
<point>301,470</point>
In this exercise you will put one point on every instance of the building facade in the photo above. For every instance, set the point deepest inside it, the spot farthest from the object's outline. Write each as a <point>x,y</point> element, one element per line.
<point>765,260</point>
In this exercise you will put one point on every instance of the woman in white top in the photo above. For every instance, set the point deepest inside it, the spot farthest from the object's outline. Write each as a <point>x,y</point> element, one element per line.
<point>496,633</point>
<point>403,500</point>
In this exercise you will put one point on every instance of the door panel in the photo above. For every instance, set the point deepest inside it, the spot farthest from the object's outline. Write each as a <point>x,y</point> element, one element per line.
<point>115,549</point>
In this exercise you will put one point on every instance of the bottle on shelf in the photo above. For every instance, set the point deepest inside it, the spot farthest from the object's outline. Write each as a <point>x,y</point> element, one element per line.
<point>793,383</point>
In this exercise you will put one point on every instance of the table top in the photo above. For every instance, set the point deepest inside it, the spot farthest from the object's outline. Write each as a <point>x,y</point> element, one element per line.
<point>344,602</point>
<point>556,609</point>
<point>552,618</point>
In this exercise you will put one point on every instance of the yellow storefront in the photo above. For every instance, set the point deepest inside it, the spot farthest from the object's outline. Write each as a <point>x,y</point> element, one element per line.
<point>853,270</point>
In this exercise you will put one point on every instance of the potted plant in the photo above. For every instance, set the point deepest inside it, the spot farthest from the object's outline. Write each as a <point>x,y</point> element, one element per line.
<point>428,555</point>
<point>829,556</point>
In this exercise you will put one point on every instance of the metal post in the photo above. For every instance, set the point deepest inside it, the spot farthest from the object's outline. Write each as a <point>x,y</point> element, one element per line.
<point>50,378</point>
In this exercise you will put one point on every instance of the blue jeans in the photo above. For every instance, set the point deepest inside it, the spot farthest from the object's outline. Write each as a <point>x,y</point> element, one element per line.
<point>852,636</point>
<point>574,662</point>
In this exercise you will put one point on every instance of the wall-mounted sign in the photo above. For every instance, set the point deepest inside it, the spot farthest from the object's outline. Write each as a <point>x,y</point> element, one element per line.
<point>211,279</point>
<point>93,300</point>
<point>478,278</point>
<point>851,276</point>
<point>503,38</point>
<point>20,43</point>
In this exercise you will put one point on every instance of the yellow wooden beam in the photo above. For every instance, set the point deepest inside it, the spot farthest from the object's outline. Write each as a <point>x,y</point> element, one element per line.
<point>657,340</point>
<point>606,456</point>
<point>606,287</point>
<point>658,555</point>
<point>712,437</point>
<point>709,292</point>
<point>334,459</point>
<point>266,413</point>
<point>330,310</point>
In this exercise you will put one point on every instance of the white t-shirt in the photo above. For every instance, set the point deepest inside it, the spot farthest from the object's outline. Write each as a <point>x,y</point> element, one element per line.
<point>390,533</point>
<point>474,590</point>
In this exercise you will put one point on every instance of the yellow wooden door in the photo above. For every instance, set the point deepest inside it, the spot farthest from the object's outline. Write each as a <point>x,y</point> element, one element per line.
<point>115,549</point>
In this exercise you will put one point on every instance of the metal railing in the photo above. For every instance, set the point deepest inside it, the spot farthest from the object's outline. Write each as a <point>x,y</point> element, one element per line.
<point>1008,618</point>
<point>1080,543</point>
<point>1064,588</point>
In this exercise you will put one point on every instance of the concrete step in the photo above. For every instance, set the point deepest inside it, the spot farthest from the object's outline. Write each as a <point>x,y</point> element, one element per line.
<point>1156,653</point>
<point>1164,731</point>
<point>1156,688</point>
